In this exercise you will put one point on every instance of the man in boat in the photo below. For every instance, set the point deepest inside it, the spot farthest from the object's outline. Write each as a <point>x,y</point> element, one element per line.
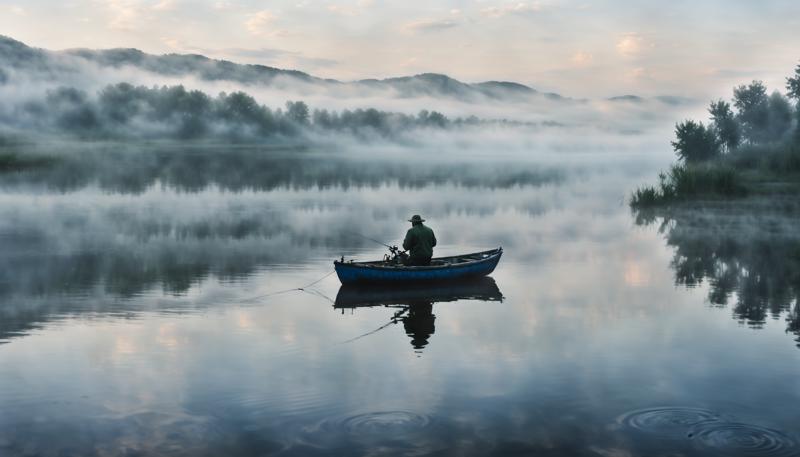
<point>419,242</point>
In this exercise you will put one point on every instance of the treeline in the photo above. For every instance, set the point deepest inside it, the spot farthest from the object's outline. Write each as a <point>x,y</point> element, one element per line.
<point>755,132</point>
<point>127,111</point>
<point>751,118</point>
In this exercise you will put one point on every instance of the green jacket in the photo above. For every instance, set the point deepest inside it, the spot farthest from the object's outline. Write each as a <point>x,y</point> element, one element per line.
<point>419,242</point>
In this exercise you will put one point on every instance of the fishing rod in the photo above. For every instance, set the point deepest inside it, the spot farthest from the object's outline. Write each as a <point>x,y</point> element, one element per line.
<point>396,252</point>
<point>376,241</point>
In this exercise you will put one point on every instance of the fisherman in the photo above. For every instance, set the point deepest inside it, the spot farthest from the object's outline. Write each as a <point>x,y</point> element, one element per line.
<point>419,242</point>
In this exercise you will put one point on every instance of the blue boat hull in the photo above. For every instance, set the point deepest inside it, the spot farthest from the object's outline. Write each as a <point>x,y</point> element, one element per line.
<point>451,268</point>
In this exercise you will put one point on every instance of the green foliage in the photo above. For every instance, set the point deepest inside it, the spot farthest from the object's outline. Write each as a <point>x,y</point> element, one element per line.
<point>72,109</point>
<point>124,110</point>
<point>769,159</point>
<point>752,104</point>
<point>793,85</point>
<point>683,182</point>
<point>694,142</point>
<point>780,117</point>
<point>646,196</point>
<point>725,125</point>
<point>297,112</point>
<point>781,159</point>
<point>797,124</point>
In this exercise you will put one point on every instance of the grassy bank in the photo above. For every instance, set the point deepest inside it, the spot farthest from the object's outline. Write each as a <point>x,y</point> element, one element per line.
<point>757,169</point>
<point>751,146</point>
<point>684,182</point>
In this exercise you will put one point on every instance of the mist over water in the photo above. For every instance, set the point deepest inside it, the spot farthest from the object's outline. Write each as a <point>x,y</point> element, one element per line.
<point>149,300</point>
<point>138,313</point>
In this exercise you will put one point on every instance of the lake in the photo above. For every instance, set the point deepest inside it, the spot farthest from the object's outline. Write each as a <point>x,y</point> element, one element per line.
<point>144,308</point>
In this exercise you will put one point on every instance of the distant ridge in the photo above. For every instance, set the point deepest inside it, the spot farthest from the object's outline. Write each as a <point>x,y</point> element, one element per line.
<point>666,99</point>
<point>48,64</point>
<point>23,57</point>
<point>626,98</point>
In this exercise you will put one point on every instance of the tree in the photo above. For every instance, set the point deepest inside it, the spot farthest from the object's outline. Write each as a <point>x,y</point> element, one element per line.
<point>793,85</point>
<point>726,127</point>
<point>73,110</point>
<point>694,142</point>
<point>753,105</point>
<point>322,118</point>
<point>297,112</point>
<point>780,116</point>
<point>432,119</point>
<point>793,91</point>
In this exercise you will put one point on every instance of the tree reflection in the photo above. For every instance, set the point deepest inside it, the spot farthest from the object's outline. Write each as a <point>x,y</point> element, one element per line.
<point>414,303</point>
<point>132,169</point>
<point>748,255</point>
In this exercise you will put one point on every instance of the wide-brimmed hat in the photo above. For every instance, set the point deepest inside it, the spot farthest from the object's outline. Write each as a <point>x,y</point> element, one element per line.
<point>416,218</point>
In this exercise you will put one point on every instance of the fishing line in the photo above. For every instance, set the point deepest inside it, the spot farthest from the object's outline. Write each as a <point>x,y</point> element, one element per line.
<point>318,294</point>
<point>392,321</point>
<point>278,292</point>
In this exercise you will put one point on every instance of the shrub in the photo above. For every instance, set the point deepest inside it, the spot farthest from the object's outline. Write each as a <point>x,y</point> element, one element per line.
<point>681,182</point>
<point>694,142</point>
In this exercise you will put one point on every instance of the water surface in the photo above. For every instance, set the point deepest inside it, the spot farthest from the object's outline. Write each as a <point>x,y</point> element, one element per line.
<point>142,310</point>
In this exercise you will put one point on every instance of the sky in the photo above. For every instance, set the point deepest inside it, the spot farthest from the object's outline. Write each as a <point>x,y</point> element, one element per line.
<point>578,48</point>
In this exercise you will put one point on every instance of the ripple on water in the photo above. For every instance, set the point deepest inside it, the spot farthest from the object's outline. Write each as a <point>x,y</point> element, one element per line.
<point>404,431</point>
<point>378,423</point>
<point>731,438</point>
<point>667,421</point>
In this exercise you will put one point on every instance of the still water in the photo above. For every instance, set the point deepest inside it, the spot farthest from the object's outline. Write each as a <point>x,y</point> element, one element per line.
<point>144,311</point>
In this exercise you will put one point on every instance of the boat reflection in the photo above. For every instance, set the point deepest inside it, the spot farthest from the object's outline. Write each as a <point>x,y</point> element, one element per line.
<point>413,303</point>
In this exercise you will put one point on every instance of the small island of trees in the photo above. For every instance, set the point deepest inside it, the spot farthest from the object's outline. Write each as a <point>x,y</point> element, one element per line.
<point>750,142</point>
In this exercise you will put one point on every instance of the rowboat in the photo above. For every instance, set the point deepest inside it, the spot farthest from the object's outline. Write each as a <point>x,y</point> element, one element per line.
<point>358,295</point>
<point>441,269</point>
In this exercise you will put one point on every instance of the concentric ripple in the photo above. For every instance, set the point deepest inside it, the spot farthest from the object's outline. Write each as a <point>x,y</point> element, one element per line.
<point>401,431</point>
<point>669,422</point>
<point>730,438</point>
<point>379,423</point>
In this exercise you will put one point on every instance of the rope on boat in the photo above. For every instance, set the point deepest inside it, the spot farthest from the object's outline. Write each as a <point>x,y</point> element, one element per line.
<point>284,291</point>
<point>318,294</point>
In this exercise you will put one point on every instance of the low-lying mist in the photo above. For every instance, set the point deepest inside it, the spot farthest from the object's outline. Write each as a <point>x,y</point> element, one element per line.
<point>129,95</point>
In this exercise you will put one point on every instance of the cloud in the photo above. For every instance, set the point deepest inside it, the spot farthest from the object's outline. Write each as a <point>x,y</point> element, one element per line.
<point>638,74</point>
<point>125,14</point>
<point>263,56</point>
<point>514,8</point>
<point>257,22</point>
<point>729,73</point>
<point>275,56</point>
<point>352,10</point>
<point>13,9</point>
<point>582,58</point>
<point>164,5</point>
<point>343,10</point>
<point>129,14</point>
<point>431,25</point>
<point>631,45</point>
<point>174,44</point>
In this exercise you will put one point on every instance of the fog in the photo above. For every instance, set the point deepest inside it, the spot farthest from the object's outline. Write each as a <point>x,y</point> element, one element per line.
<point>168,226</point>
<point>165,174</point>
<point>126,94</point>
